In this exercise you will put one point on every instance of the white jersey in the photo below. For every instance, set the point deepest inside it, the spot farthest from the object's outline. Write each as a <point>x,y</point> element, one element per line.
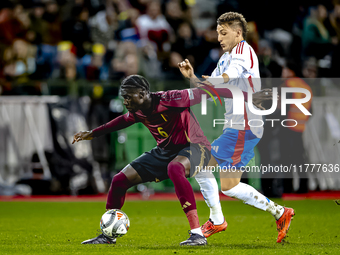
<point>241,62</point>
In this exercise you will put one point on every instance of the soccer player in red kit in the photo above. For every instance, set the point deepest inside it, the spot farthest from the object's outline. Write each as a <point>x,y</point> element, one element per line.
<point>181,146</point>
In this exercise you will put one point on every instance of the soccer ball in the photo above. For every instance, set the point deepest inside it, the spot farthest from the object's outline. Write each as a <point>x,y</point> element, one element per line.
<point>114,223</point>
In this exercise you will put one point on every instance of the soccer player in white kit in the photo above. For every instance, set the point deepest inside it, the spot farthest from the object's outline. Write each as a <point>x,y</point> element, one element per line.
<point>238,66</point>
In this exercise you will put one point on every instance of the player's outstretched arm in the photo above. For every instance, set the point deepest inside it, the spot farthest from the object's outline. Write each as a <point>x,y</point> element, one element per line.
<point>190,97</point>
<point>187,70</point>
<point>258,97</point>
<point>261,96</point>
<point>224,78</point>
<point>116,124</point>
<point>82,135</point>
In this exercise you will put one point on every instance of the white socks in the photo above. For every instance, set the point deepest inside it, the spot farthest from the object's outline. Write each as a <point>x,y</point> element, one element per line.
<point>216,214</point>
<point>197,231</point>
<point>241,191</point>
<point>251,196</point>
<point>209,189</point>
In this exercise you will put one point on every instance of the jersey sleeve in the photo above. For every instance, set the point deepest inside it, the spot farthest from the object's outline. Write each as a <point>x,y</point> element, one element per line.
<point>116,124</point>
<point>189,97</point>
<point>176,98</point>
<point>242,56</point>
<point>215,72</point>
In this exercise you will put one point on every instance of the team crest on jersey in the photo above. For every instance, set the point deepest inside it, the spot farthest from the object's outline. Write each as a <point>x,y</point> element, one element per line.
<point>228,62</point>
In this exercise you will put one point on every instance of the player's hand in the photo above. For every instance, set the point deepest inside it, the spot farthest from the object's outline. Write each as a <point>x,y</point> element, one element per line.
<point>186,69</point>
<point>203,83</point>
<point>261,96</point>
<point>82,135</point>
<point>206,82</point>
<point>200,83</point>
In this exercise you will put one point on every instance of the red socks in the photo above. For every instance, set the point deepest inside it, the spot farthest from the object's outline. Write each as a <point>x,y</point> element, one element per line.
<point>184,192</point>
<point>193,219</point>
<point>116,195</point>
<point>176,171</point>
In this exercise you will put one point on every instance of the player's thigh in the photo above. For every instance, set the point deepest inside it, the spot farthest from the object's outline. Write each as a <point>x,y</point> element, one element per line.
<point>152,165</point>
<point>230,179</point>
<point>197,156</point>
<point>223,148</point>
<point>212,162</point>
<point>234,148</point>
<point>132,175</point>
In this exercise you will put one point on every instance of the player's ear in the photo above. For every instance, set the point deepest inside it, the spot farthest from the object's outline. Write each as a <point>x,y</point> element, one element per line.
<point>239,32</point>
<point>141,94</point>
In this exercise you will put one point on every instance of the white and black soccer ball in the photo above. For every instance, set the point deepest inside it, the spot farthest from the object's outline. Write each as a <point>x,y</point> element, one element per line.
<point>114,223</point>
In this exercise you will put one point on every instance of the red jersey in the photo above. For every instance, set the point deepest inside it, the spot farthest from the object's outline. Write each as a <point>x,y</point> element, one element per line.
<point>170,120</point>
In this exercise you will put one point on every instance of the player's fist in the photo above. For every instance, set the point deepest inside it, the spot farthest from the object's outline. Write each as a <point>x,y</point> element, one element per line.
<point>186,69</point>
<point>82,135</point>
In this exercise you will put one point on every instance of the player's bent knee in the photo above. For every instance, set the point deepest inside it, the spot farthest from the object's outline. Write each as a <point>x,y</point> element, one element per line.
<point>131,174</point>
<point>175,168</point>
<point>228,184</point>
<point>120,182</point>
<point>226,187</point>
<point>183,161</point>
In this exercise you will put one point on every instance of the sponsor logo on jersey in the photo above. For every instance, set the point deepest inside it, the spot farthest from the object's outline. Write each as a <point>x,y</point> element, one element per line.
<point>191,94</point>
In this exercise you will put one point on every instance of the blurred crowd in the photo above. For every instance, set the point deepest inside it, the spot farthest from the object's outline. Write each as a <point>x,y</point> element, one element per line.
<point>103,40</point>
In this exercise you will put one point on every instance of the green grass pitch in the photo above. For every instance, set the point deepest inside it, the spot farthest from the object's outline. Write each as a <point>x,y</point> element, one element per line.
<point>157,227</point>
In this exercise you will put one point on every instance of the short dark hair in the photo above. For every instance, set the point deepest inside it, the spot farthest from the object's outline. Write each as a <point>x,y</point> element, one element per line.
<point>135,81</point>
<point>234,19</point>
